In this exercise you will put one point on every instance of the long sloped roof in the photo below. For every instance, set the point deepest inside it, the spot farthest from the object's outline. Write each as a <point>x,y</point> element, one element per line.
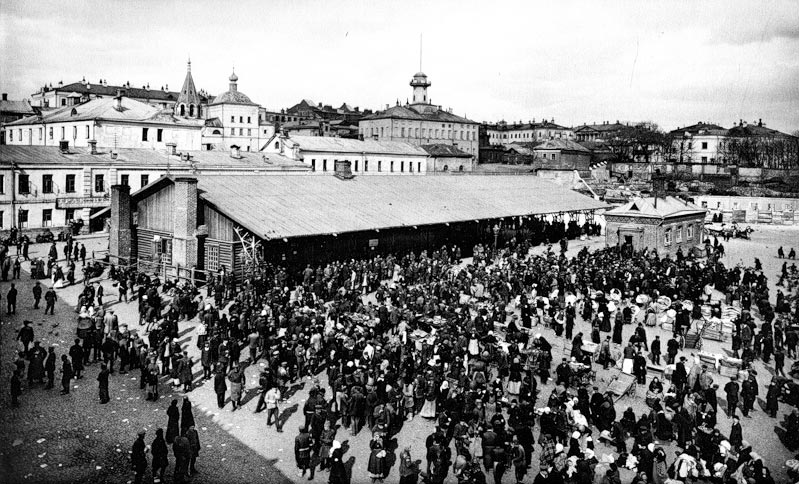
<point>295,206</point>
<point>666,207</point>
<point>346,145</point>
<point>407,112</point>
<point>106,109</point>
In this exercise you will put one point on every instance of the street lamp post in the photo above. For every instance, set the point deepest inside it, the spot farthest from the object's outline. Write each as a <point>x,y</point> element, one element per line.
<point>496,235</point>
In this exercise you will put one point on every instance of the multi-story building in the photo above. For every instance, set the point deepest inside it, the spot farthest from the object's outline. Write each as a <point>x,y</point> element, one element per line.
<point>504,133</point>
<point>421,122</point>
<point>47,187</point>
<point>745,145</point>
<point>109,122</point>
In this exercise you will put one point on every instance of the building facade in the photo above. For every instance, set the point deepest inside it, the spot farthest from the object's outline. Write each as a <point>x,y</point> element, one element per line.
<point>366,157</point>
<point>421,122</point>
<point>234,120</point>
<point>662,224</point>
<point>118,122</point>
<point>505,133</point>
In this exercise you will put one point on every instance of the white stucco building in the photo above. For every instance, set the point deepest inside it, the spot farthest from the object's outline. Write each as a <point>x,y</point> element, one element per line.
<point>118,122</point>
<point>367,157</point>
<point>532,132</point>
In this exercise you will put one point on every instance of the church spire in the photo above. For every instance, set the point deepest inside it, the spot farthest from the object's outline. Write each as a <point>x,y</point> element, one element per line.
<point>188,103</point>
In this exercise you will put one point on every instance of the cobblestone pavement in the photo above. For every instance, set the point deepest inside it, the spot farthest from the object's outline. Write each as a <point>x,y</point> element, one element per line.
<point>269,451</point>
<point>72,438</point>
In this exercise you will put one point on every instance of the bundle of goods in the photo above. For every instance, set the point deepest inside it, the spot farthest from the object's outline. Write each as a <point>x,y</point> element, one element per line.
<point>667,319</point>
<point>662,304</point>
<point>729,367</point>
<point>713,330</point>
<point>710,359</point>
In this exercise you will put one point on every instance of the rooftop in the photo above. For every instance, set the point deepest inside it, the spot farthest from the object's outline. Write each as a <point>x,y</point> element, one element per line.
<point>276,207</point>
<point>439,149</point>
<point>346,145</point>
<point>52,155</point>
<point>561,144</point>
<point>666,207</point>
<point>403,112</point>
<point>106,109</point>
<point>111,90</point>
<point>15,107</point>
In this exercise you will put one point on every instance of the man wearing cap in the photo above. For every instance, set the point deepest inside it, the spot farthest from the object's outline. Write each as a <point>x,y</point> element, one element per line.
<point>138,457</point>
<point>680,377</point>
<point>731,389</point>
<point>302,451</point>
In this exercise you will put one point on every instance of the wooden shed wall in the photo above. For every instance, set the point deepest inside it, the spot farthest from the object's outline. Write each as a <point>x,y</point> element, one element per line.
<point>157,212</point>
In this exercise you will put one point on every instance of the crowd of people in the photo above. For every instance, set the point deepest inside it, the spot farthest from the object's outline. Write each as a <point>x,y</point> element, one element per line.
<point>462,345</point>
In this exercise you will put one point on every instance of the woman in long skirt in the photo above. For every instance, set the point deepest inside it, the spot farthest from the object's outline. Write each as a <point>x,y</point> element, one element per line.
<point>429,407</point>
<point>377,460</point>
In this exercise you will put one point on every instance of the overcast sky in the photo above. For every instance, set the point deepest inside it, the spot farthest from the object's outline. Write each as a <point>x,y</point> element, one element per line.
<point>674,63</point>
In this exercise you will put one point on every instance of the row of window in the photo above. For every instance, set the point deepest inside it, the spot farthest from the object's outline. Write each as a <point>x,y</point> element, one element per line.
<point>241,132</point>
<point>241,119</point>
<point>24,183</point>
<point>754,206</point>
<point>678,233</point>
<point>550,134</point>
<point>23,216</point>
<point>356,166</point>
<point>426,133</point>
<point>145,133</point>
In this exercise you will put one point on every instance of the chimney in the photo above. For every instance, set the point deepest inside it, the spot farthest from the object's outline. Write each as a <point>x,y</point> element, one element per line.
<point>121,232</point>
<point>118,98</point>
<point>93,146</point>
<point>760,122</point>
<point>63,146</point>
<point>5,96</point>
<point>343,170</point>
<point>172,148</point>
<point>184,241</point>
<point>235,152</point>
<point>374,136</point>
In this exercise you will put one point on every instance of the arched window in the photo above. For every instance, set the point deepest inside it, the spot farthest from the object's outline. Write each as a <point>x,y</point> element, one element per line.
<point>446,168</point>
<point>277,145</point>
<point>182,109</point>
<point>199,111</point>
<point>460,168</point>
<point>216,131</point>
<point>191,110</point>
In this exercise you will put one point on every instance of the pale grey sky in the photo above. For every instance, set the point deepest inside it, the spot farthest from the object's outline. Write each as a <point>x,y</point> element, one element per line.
<point>674,63</point>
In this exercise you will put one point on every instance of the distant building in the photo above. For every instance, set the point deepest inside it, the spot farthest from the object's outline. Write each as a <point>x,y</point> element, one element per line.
<point>599,132</point>
<point>563,155</point>
<point>443,158</point>
<point>234,120</point>
<point>366,157</point>
<point>662,224</point>
<point>421,122</point>
<point>745,145</point>
<point>306,109</point>
<point>504,133</point>
<point>79,92</point>
<point>12,111</point>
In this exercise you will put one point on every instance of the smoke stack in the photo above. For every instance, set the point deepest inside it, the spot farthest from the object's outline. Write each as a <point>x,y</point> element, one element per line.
<point>343,170</point>
<point>173,148</point>
<point>118,98</point>
<point>63,146</point>
<point>235,152</point>
<point>92,146</point>
<point>5,96</point>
